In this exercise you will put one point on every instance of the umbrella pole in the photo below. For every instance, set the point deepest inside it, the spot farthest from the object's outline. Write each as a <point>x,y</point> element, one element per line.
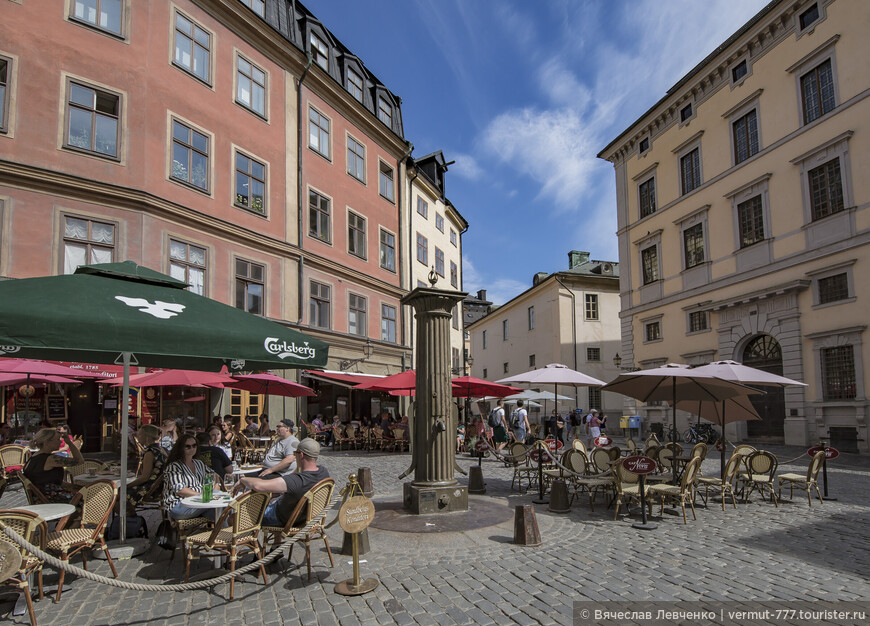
<point>674,424</point>
<point>125,407</point>
<point>722,455</point>
<point>27,405</point>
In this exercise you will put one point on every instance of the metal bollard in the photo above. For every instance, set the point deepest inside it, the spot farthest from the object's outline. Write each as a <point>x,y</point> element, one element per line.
<point>475,480</point>
<point>526,531</point>
<point>364,476</point>
<point>559,497</point>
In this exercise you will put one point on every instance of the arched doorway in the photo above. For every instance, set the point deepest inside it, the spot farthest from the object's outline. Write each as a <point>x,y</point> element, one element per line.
<point>763,352</point>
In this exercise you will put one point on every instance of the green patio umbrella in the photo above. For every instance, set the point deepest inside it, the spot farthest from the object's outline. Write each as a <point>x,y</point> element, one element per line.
<point>125,313</point>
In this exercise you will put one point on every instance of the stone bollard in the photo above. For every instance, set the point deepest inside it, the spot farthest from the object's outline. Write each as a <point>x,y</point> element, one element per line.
<point>559,497</point>
<point>475,480</point>
<point>364,476</point>
<point>526,526</point>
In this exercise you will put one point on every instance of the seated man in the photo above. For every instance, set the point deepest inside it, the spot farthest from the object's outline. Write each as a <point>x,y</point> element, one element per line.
<point>292,486</point>
<point>280,458</point>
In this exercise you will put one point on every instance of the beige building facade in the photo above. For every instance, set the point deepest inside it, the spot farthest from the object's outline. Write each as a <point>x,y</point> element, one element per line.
<point>744,221</point>
<point>569,317</point>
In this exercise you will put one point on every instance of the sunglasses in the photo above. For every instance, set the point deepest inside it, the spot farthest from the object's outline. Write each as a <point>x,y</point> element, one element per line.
<point>190,446</point>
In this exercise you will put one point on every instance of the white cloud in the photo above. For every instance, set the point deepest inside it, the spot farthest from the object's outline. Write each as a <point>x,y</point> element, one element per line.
<point>466,166</point>
<point>498,290</point>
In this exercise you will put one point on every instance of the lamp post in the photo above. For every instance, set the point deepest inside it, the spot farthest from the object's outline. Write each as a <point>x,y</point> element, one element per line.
<point>617,361</point>
<point>468,360</point>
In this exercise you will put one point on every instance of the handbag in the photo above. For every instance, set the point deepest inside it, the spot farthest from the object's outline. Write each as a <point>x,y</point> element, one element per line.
<point>167,535</point>
<point>560,424</point>
<point>136,528</point>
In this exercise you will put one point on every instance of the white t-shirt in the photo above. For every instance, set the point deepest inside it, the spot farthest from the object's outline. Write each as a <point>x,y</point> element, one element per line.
<point>279,451</point>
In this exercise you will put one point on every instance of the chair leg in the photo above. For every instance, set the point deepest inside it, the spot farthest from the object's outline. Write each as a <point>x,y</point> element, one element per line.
<point>109,557</point>
<point>692,504</point>
<point>308,556</point>
<point>188,557</point>
<point>261,553</point>
<point>328,551</point>
<point>84,560</point>
<point>232,569</point>
<point>26,589</point>
<point>39,583</point>
<point>63,557</point>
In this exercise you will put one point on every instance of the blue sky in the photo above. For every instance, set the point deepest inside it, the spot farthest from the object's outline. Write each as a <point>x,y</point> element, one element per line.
<point>523,95</point>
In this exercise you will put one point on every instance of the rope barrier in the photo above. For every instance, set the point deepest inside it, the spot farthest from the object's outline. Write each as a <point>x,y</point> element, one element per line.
<point>202,584</point>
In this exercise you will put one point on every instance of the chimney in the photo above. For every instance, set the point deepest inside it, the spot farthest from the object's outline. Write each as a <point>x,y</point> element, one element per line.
<point>576,257</point>
<point>481,294</point>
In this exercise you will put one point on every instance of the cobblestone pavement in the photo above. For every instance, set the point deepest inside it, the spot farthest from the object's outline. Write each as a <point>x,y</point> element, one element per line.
<point>755,553</point>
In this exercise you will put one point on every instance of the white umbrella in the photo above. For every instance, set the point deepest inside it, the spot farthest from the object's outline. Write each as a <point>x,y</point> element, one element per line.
<point>531,394</point>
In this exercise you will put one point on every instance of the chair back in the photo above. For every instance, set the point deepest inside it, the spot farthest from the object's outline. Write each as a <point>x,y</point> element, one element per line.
<point>519,453</point>
<point>398,433</point>
<point>12,456</point>
<point>652,440</point>
<point>350,431</point>
<point>652,452</point>
<point>248,511</point>
<point>631,445</point>
<point>601,459</point>
<point>744,450</point>
<point>313,503</point>
<point>677,448</point>
<point>97,500</point>
<point>577,462</point>
<point>29,525</point>
<point>731,467</point>
<point>623,476</point>
<point>615,452</point>
<point>690,473</point>
<point>665,458</point>
<point>243,442</point>
<point>33,493</point>
<point>578,444</point>
<point>763,463</point>
<point>699,450</point>
<point>83,467</point>
<point>815,465</point>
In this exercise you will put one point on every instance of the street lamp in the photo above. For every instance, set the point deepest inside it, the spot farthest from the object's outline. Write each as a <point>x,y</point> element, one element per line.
<point>617,360</point>
<point>368,350</point>
<point>467,367</point>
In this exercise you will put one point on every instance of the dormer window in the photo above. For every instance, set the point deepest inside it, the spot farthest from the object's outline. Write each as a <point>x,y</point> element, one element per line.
<point>319,51</point>
<point>385,112</point>
<point>644,145</point>
<point>809,17</point>
<point>739,71</point>
<point>355,84</point>
<point>686,112</point>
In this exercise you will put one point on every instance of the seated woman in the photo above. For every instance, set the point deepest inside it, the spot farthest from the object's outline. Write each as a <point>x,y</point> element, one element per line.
<point>169,429</point>
<point>264,431</point>
<point>151,467</point>
<point>182,478</point>
<point>218,461</point>
<point>64,450</point>
<point>251,426</point>
<point>45,467</point>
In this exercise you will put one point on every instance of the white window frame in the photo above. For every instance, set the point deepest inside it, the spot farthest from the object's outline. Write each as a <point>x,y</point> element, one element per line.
<point>264,114</point>
<point>362,329</point>
<point>364,255</point>
<point>209,79</point>
<point>351,150</point>
<point>318,149</point>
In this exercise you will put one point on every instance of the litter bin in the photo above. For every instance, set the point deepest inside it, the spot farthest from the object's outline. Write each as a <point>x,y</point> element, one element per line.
<point>633,425</point>
<point>623,422</point>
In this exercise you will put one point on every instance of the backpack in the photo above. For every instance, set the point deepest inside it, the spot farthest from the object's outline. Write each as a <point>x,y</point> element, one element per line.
<point>136,528</point>
<point>494,419</point>
<point>515,419</point>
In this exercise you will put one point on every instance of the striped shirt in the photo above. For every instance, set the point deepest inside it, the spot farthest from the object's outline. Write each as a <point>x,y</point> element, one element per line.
<point>177,476</point>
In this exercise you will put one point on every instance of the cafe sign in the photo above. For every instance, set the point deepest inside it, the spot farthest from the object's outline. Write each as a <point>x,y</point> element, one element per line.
<point>830,453</point>
<point>356,514</point>
<point>602,441</point>
<point>639,465</point>
<point>481,446</point>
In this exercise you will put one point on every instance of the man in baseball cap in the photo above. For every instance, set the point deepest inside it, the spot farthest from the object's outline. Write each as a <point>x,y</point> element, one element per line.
<point>280,459</point>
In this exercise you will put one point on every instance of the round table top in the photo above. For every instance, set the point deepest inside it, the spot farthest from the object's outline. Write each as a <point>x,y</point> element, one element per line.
<point>258,438</point>
<point>248,469</point>
<point>49,512</point>
<point>219,500</point>
<point>86,479</point>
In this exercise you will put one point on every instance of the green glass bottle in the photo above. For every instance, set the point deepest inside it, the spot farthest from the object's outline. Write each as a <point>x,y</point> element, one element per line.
<point>207,488</point>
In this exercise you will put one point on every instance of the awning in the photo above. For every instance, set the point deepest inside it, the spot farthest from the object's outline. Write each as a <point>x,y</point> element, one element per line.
<point>340,378</point>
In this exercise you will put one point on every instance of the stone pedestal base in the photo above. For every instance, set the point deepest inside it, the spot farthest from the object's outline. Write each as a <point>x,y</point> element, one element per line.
<point>425,500</point>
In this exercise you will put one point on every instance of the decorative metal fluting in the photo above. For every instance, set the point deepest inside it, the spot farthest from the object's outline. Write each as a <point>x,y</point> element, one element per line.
<point>433,458</point>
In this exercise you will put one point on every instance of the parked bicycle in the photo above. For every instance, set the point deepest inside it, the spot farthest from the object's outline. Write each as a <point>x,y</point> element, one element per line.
<point>701,433</point>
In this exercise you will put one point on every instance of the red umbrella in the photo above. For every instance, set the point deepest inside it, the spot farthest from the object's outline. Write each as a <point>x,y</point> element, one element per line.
<point>30,366</point>
<point>403,381</point>
<point>467,386</point>
<point>270,384</point>
<point>20,379</point>
<point>175,378</point>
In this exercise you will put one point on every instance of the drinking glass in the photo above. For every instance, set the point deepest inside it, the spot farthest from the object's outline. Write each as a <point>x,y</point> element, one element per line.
<point>229,482</point>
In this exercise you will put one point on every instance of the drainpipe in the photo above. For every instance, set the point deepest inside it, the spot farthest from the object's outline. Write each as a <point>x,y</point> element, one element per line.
<point>410,236</point>
<point>573,331</point>
<point>299,196</point>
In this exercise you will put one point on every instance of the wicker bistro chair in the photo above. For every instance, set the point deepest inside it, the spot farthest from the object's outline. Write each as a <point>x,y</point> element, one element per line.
<point>627,488</point>
<point>673,445</point>
<point>601,459</point>
<point>13,458</point>
<point>311,507</point>
<point>247,516</point>
<point>97,501</point>
<point>243,449</point>
<point>400,438</point>
<point>631,446</point>
<point>722,485</point>
<point>590,481</point>
<point>83,468</point>
<point>760,470</point>
<point>699,450</point>
<point>33,493</point>
<point>681,493</point>
<point>519,460</point>
<point>578,444</point>
<point>808,482</point>
<point>664,456</point>
<point>32,528</point>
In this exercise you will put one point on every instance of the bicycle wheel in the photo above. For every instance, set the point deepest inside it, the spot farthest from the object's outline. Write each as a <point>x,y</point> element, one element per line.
<point>689,436</point>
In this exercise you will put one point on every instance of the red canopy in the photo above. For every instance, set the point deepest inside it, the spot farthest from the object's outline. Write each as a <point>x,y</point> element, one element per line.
<point>403,381</point>
<point>467,386</point>
<point>29,366</point>
<point>175,378</point>
<point>270,384</point>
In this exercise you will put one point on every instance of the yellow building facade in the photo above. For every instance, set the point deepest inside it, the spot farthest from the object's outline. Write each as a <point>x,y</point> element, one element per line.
<point>744,219</point>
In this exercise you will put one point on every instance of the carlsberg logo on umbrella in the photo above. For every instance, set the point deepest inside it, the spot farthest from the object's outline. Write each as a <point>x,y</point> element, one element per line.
<point>282,349</point>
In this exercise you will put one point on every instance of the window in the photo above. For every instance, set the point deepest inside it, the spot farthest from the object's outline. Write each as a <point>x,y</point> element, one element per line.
<point>355,84</point>
<point>593,354</point>
<point>318,216</point>
<point>319,51</point>
<point>826,189</point>
<point>454,275</point>
<point>250,286</point>
<point>808,17</point>
<point>356,234</point>
<point>356,159</point>
<point>686,112</point>
<point>693,241</point>
<point>505,367</point>
<point>187,263</point>
<point>750,217</point>
<point>653,331</point>
<point>422,249</point>
<point>257,6</point>
<point>86,242</point>
<point>457,366</point>
<point>385,112</point>
<point>833,288</point>
<point>650,261</point>
<point>439,222</point>
<point>92,120</point>
<point>504,330</point>
<point>453,237</point>
<point>319,310</point>
<point>318,132</point>
<point>250,184</point>
<point>356,315</point>
<point>439,261</point>
<point>102,14</point>
<point>454,317</point>
<point>531,314</point>
<point>532,361</point>
<point>483,335</point>
<point>388,323</point>
<point>644,145</point>
<point>484,373</point>
<point>190,154</point>
<point>595,398</point>
<point>739,71</point>
<point>385,182</point>
<point>647,191</point>
<point>422,207</point>
<point>838,373</point>
<point>817,91</point>
<point>690,170</point>
<point>192,48</point>
<point>745,136</point>
<point>4,92</point>
<point>250,86</point>
<point>591,306</point>
<point>388,250</point>
<point>697,321</point>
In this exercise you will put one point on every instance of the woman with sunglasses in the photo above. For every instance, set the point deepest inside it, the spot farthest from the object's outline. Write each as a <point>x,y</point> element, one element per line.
<point>183,477</point>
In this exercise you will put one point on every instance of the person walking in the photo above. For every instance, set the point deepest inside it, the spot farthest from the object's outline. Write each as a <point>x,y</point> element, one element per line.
<point>593,427</point>
<point>520,422</point>
<point>499,426</point>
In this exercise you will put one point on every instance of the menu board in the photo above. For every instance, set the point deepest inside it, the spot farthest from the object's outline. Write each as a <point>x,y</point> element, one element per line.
<point>56,408</point>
